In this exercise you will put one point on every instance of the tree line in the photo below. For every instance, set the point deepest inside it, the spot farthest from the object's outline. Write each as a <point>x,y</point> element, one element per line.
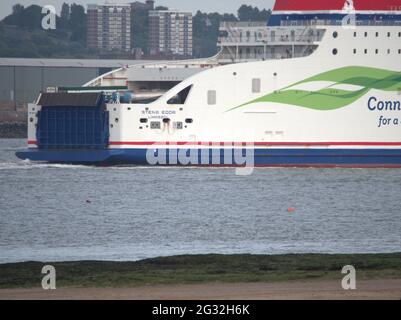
<point>21,34</point>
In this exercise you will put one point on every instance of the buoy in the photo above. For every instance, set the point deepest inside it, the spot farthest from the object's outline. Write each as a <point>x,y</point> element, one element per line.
<point>291,210</point>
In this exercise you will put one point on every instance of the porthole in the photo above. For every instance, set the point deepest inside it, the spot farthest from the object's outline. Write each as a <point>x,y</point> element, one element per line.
<point>335,34</point>
<point>189,120</point>
<point>143,120</point>
<point>335,51</point>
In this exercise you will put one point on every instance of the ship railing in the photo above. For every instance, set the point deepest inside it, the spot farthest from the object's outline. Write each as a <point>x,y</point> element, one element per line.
<point>258,56</point>
<point>300,23</point>
<point>268,39</point>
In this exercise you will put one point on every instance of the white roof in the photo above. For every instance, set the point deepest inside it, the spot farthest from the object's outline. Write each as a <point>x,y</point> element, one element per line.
<point>77,63</point>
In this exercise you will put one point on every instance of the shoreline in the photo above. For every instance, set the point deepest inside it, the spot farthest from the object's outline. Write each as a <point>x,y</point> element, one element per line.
<point>203,269</point>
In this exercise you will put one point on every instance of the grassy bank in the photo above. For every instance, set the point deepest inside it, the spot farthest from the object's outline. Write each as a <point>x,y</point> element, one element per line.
<point>203,269</point>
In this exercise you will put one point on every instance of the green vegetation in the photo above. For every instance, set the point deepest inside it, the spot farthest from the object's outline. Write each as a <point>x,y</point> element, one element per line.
<point>21,34</point>
<point>204,269</point>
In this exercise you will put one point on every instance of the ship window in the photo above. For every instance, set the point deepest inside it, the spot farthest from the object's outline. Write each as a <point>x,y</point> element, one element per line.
<point>155,125</point>
<point>399,34</point>
<point>377,51</point>
<point>388,51</point>
<point>354,34</point>
<point>335,34</point>
<point>354,51</point>
<point>181,97</point>
<point>256,85</point>
<point>388,34</point>
<point>211,97</point>
<point>399,51</point>
<point>377,34</point>
<point>366,51</point>
<point>366,34</point>
<point>335,51</point>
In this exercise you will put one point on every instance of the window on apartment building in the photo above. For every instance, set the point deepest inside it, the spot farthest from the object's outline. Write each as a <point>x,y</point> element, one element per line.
<point>211,97</point>
<point>181,97</point>
<point>256,85</point>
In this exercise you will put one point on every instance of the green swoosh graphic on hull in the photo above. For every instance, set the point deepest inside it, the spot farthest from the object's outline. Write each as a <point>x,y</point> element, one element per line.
<point>331,98</point>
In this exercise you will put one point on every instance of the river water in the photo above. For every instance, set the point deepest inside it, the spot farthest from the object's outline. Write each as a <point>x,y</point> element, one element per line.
<point>64,212</point>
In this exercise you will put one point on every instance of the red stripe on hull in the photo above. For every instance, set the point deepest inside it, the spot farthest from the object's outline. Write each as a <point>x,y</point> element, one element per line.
<point>284,144</point>
<point>311,5</point>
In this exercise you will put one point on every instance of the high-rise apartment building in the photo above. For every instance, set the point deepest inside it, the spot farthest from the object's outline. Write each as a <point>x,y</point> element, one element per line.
<point>109,27</point>
<point>170,33</point>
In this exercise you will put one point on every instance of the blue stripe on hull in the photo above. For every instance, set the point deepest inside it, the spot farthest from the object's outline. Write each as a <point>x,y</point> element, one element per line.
<point>276,19</point>
<point>263,157</point>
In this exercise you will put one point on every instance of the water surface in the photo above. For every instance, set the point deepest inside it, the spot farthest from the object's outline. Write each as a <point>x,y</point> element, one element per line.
<point>64,212</point>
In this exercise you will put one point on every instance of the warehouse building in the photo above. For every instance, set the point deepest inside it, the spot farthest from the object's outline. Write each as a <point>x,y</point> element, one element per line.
<point>21,79</point>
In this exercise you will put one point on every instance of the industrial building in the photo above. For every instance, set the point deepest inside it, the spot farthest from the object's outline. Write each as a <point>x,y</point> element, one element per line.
<point>21,80</point>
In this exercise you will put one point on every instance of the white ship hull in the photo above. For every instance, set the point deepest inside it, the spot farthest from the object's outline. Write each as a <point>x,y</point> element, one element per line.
<point>339,106</point>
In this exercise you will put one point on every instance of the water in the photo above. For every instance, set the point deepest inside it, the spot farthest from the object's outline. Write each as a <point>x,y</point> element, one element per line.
<point>143,212</point>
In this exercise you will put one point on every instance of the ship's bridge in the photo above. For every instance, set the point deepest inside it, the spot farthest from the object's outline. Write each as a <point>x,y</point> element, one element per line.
<point>336,12</point>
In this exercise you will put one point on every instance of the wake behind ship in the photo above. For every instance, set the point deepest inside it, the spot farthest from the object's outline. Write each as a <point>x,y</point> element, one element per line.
<point>329,96</point>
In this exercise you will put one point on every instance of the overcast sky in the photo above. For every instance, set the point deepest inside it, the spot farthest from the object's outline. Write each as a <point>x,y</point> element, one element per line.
<point>222,6</point>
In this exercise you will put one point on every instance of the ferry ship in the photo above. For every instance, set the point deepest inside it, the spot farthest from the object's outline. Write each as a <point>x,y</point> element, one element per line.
<point>327,94</point>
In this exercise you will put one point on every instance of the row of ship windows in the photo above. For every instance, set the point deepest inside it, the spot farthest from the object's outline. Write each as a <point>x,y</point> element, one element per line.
<point>366,34</point>
<point>181,97</point>
<point>212,94</point>
<point>366,51</point>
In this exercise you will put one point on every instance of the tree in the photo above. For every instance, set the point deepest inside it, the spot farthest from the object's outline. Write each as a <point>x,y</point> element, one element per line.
<point>249,13</point>
<point>31,18</point>
<point>77,23</point>
<point>64,16</point>
<point>206,32</point>
<point>15,17</point>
